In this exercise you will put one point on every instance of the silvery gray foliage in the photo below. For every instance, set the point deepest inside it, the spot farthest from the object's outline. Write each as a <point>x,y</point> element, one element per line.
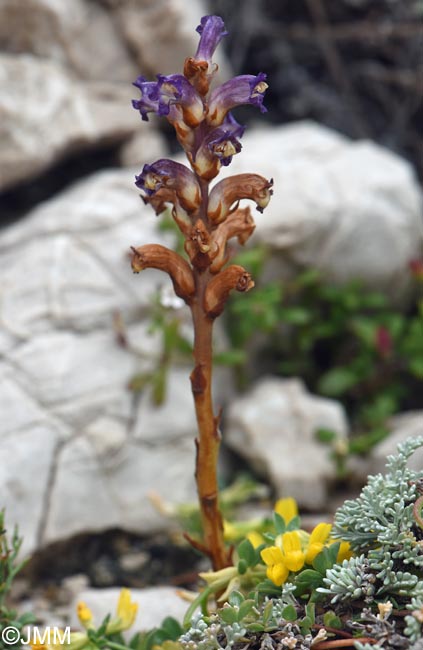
<point>380,524</point>
<point>382,514</point>
<point>350,580</point>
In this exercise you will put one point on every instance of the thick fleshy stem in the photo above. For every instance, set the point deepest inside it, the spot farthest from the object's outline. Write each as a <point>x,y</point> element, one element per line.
<point>208,441</point>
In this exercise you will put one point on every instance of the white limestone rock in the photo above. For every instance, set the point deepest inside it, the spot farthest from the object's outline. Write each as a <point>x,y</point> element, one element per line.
<point>273,427</point>
<point>350,209</point>
<point>27,458</point>
<point>154,604</point>
<point>47,114</point>
<point>79,34</point>
<point>97,450</point>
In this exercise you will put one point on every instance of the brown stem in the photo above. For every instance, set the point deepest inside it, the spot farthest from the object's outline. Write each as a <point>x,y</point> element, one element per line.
<point>208,441</point>
<point>342,643</point>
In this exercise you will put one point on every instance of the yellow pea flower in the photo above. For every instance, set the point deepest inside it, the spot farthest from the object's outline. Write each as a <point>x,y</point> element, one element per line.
<point>85,615</point>
<point>126,609</point>
<point>286,508</point>
<point>292,553</point>
<point>276,571</point>
<point>255,538</point>
<point>344,553</point>
<point>230,532</point>
<point>318,538</point>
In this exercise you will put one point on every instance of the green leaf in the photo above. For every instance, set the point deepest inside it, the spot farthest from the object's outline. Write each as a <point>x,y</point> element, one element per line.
<point>338,381</point>
<point>171,628</point>
<point>228,615</point>
<point>330,619</point>
<point>245,608</point>
<point>294,523</point>
<point>310,610</point>
<point>326,558</point>
<point>236,598</point>
<point>267,612</point>
<point>256,627</point>
<point>289,613</point>
<point>247,552</point>
<point>242,567</point>
<point>309,579</point>
<point>279,523</point>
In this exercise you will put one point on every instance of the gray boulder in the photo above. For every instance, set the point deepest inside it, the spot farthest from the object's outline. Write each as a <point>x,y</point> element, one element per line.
<point>273,427</point>
<point>350,209</point>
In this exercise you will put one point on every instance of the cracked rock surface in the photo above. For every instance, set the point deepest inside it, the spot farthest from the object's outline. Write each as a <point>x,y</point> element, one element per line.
<point>78,452</point>
<point>68,68</point>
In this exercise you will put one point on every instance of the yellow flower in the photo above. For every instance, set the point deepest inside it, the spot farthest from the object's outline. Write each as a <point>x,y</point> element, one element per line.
<point>255,538</point>
<point>85,615</point>
<point>293,555</point>
<point>126,609</point>
<point>344,553</point>
<point>286,508</point>
<point>287,555</point>
<point>230,531</point>
<point>276,571</point>
<point>318,538</point>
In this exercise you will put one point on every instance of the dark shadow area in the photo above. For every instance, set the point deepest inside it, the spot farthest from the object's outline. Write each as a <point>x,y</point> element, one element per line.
<point>352,65</point>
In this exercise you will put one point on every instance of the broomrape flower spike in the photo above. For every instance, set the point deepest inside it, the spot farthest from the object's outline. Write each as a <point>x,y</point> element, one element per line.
<point>210,137</point>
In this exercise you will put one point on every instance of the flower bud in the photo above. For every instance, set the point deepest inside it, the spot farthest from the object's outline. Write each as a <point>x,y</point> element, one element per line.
<point>241,186</point>
<point>155,256</point>
<point>220,286</point>
<point>239,224</point>
<point>200,69</point>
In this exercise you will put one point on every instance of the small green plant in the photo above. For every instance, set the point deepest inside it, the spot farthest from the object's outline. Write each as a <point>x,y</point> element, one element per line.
<point>10,566</point>
<point>344,341</point>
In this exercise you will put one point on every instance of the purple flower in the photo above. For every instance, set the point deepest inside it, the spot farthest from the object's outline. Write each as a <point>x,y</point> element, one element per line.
<point>172,182</point>
<point>245,89</point>
<point>172,90</point>
<point>199,69</point>
<point>211,30</point>
<point>217,147</point>
<point>223,140</point>
<point>149,102</point>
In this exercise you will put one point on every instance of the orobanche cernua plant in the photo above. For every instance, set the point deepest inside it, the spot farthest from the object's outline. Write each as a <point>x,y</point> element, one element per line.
<point>208,219</point>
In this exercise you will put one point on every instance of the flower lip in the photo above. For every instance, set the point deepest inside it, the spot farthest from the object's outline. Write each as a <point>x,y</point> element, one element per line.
<point>169,90</point>
<point>169,176</point>
<point>223,141</point>
<point>244,89</point>
<point>148,103</point>
<point>211,30</point>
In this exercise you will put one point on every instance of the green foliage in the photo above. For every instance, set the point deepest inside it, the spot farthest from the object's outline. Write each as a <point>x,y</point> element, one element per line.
<point>345,342</point>
<point>9,569</point>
